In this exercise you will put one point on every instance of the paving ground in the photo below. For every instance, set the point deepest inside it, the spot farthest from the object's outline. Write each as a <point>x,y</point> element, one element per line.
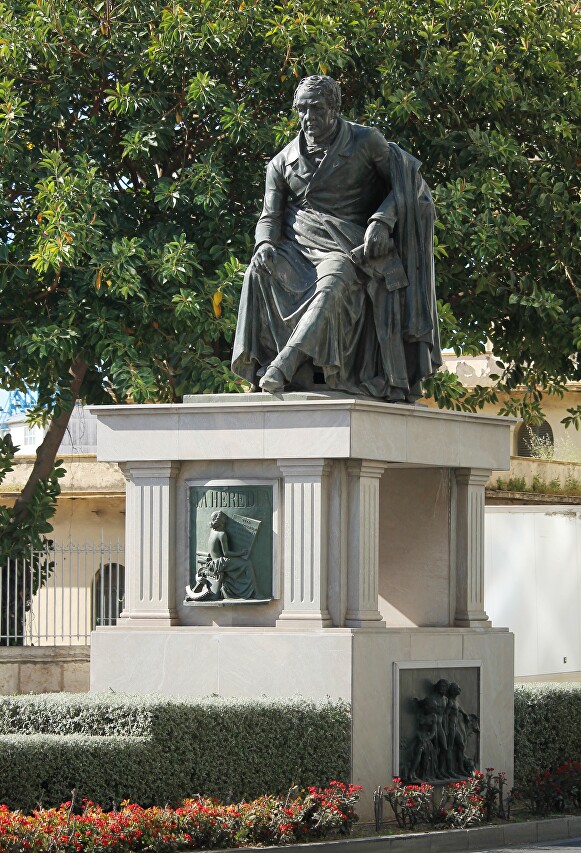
<point>552,847</point>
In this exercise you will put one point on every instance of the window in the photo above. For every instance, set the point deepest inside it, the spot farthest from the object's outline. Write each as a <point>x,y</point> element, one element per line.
<point>535,441</point>
<point>30,435</point>
<point>108,594</point>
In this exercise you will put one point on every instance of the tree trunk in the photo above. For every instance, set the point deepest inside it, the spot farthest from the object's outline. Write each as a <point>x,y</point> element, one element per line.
<point>47,451</point>
<point>21,577</point>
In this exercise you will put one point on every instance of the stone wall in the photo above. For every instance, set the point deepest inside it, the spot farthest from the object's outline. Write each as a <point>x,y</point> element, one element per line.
<point>46,669</point>
<point>547,469</point>
<point>91,506</point>
<point>546,481</point>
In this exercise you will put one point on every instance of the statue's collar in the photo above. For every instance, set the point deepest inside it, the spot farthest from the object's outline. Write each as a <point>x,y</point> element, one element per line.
<point>342,145</point>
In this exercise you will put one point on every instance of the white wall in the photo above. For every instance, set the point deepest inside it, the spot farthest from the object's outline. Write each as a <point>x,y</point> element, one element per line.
<point>25,437</point>
<point>80,436</point>
<point>533,584</point>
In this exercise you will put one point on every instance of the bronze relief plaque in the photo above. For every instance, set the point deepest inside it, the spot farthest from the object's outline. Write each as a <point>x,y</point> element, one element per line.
<point>438,723</point>
<point>231,544</point>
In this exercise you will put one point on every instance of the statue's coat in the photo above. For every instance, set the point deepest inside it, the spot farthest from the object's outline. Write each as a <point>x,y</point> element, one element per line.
<point>372,331</point>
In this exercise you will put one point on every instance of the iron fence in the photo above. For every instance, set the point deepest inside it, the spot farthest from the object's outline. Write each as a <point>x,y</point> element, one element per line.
<point>56,596</point>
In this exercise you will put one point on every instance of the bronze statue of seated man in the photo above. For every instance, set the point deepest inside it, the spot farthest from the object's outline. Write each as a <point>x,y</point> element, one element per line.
<point>341,284</point>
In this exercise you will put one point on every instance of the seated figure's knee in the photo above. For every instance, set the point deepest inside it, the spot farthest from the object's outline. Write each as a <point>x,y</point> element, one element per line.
<point>335,273</point>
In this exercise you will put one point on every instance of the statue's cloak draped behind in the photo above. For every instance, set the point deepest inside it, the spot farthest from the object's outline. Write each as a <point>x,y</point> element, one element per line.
<point>379,336</point>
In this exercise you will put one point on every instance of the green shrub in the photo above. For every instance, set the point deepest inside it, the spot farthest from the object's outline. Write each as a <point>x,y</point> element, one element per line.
<point>572,485</point>
<point>546,727</point>
<point>44,769</point>
<point>155,750</point>
<point>78,713</point>
<point>516,484</point>
<point>539,485</point>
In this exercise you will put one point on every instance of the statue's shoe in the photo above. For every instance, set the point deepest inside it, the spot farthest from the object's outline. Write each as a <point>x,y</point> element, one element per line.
<point>273,380</point>
<point>202,592</point>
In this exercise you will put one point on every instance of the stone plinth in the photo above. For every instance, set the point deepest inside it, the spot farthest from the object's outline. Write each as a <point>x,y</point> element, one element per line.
<point>377,555</point>
<point>352,664</point>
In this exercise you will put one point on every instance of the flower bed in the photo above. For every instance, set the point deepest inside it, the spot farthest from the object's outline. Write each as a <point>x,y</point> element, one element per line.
<point>554,790</point>
<point>198,823</point>
<point>461,804</point>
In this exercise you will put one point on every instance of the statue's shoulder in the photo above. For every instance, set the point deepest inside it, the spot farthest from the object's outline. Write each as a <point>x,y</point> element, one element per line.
<point>363,131</point>
<point>370,139</point>
<point>289,154</point>
<point>373,136</point>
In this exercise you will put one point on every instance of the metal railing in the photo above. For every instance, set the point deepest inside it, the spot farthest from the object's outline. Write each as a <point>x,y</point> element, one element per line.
<point>57,595</point>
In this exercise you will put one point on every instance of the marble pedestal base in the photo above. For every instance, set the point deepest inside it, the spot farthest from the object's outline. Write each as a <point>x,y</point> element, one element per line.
<point>377,526</point>
<point>351,664</point>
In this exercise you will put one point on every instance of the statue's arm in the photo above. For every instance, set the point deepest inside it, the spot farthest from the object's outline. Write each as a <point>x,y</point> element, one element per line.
<point>226,547</point>
<point>380,225</point>
<point>269,227</point>
<point>386,213</point>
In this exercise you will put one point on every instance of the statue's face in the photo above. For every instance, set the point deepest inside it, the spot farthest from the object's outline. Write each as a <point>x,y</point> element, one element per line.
<point>316,117</point>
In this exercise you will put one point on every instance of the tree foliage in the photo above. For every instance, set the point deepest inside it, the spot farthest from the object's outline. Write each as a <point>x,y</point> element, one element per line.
<point>19,538</point>
<point>133,140</point>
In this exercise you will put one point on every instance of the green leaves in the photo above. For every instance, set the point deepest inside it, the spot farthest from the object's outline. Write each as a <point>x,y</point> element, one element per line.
<point>123,99</point>
<point>137,143</point>
<point>177,261</point>
<point>204,91</point>
<point>69,199</point>
<point>133,141</point>
<point>20,535</point>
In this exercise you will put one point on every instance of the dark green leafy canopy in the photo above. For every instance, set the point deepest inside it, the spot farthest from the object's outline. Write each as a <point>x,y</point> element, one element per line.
<point>133,141</point>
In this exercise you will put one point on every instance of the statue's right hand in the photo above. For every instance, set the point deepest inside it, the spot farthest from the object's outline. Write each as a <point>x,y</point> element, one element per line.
<point>264,258</point>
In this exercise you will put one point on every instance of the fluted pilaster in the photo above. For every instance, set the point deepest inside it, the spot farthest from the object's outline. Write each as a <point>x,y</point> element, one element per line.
<point>363,544</point>
<point>150,542</point>
<point>470,484</point>
<point>305,510</point>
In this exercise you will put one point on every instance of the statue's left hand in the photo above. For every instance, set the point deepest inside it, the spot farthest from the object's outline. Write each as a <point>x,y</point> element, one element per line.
<point>377,240</point>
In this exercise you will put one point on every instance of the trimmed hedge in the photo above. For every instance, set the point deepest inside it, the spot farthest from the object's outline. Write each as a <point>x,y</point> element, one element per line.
<point>155,750</point>
<point>547,727</point>
<point>44,769</point>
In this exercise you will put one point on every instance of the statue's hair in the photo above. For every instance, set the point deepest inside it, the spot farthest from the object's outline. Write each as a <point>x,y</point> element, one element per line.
<point>218,514</point>
<point>454,688</point>
<point>319,84</point>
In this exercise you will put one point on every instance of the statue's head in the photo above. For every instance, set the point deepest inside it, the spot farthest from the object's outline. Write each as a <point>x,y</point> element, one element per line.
<point>441,686</point>
<point>454,690</point>
<point>321,88</point>
<point>218,520</point>
<point>317,101</point>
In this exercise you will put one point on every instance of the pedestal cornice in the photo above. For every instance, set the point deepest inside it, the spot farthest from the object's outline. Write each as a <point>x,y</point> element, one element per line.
<point>300,426</point>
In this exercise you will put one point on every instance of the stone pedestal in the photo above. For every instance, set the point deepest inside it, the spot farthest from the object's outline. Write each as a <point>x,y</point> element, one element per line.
<point>377,557</point>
